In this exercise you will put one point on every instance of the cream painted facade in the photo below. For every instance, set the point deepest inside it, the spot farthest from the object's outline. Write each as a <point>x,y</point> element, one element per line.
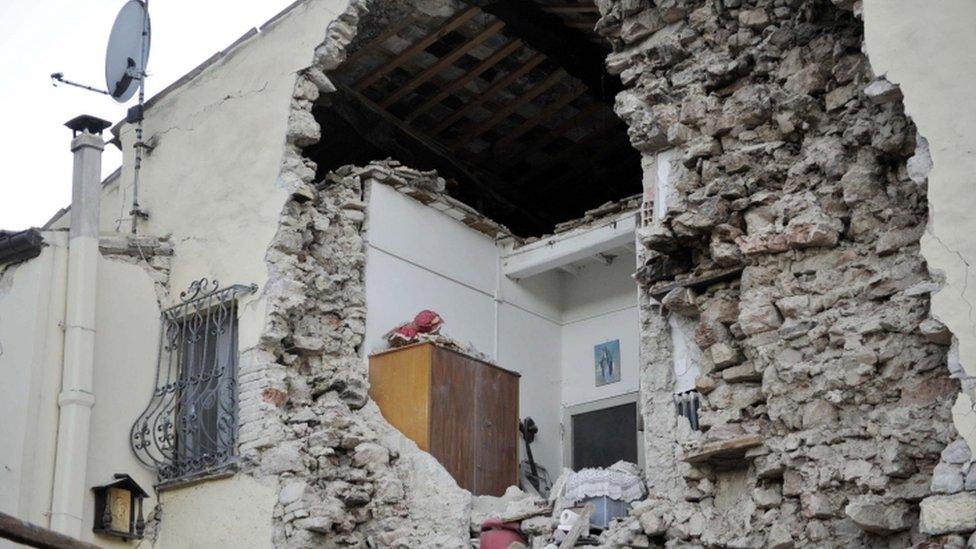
<point>210,184</point>
<point>929,51</point>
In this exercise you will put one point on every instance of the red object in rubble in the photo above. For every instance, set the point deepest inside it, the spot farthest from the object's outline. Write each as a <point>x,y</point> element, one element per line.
<point>428,322</point>
<point>496,534</point>
<point>405,334</point>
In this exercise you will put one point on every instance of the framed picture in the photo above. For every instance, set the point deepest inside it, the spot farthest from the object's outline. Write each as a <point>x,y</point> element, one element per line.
<point>606,362</point>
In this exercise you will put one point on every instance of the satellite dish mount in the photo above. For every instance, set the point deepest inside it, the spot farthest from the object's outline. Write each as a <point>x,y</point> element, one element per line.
<point>125,74</point>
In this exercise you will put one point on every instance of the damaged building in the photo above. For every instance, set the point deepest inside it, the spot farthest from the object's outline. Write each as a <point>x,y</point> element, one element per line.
<point>688,273</point>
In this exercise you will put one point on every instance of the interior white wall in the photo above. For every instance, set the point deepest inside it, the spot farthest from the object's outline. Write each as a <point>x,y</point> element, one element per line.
<point>543,327</point>
<point>599,305</point>
<point>418,258</point>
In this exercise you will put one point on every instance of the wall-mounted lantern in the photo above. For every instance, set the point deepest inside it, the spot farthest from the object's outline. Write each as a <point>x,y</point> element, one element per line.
<point>118,508</point>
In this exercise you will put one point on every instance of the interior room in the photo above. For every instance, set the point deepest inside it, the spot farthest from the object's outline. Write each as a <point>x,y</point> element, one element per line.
<point>524,244</point>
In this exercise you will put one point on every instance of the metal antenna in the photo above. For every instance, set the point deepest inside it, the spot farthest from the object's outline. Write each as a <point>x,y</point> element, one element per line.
<point>136,212</point>
<point>58,77</point>
<point>124,70</point>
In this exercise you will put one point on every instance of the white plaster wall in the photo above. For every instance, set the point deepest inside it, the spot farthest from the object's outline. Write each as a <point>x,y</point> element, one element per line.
<point>929,50</point>
<point>546,326</point>
<point>600,305</point>
<point>31,306</point>
<point>211,181</point>
<point>419,258</point>
<point>530,344</point>
<point>211,184</point>
<point>231,513</point>
<point>127,333</point>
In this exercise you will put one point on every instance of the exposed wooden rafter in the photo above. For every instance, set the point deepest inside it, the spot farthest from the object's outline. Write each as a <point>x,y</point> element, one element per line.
<point>570,8</point>
<point>377,42</point>
<point>380,127</point>
<point>479,128</point>
<point>544,114</point>
<point>489,93</point>
<point>556,133</point>
<point>569,48</point>
<point>443,63</point>
<point>508,49</point>
<point>454,22</point>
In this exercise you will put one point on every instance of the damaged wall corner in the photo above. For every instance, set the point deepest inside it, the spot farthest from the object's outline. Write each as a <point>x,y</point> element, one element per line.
<point>795,219</point>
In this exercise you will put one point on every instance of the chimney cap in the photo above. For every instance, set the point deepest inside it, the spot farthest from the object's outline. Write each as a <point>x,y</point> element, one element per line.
<point>87,123</point>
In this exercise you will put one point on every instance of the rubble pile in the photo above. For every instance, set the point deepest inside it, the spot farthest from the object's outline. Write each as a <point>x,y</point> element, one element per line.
<point>345,476</point>
<point>600,213</point>
<point>790,241</point>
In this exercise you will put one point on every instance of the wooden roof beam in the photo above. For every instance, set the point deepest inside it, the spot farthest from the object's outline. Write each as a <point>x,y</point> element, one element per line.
<point>454,22</point>
<point>555,133</point>
<point>570,8</point>
<point>570,48</point>
<point>565,99</point>
<point>481,127</point>
<point>463,80</point>
<point>379,40</point>
<point>491,92</point>
<point>443,63</point>
<point>387,132</point>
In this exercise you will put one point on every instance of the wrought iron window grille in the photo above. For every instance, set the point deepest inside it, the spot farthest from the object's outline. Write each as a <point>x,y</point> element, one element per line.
<point>189,427</point>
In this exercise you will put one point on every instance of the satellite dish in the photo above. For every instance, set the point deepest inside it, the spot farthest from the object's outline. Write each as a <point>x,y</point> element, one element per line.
<point>128,51</point>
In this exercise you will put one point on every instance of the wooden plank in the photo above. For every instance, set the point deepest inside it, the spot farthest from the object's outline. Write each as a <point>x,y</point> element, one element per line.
<point>465,78</point>
<point>726,451</point>
<point>570,8</point>
<point>453,417</point>
<point>572,49</point>
<point>565,99</point>
<point>489,93</point>
<point>454,22</point>
<point>412,147</point>
<point>481,127</point>
<point>556,133</point>
<point>582,25</point>
<point>379,40</point>
<point>581,524</point>
<point>32,535</point>
<point>702,280</point>
<point>496,431</point>
<point>399,382</point>
<point>443,63</point>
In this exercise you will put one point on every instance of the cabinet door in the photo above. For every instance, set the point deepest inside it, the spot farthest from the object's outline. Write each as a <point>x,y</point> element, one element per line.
<point>452,418</point>
<point>496,445</point>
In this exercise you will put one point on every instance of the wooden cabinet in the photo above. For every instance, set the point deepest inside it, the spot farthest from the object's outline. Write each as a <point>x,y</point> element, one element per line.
<point>461,410</point>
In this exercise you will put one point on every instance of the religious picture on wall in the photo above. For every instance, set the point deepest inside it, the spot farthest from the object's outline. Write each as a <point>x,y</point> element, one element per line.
<point>606,359</point>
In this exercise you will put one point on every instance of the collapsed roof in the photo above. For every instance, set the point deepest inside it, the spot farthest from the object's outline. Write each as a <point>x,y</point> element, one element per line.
<point>509,99</point>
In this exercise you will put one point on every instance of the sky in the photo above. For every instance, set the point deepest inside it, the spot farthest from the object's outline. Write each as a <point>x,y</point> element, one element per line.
<point>40,37</point>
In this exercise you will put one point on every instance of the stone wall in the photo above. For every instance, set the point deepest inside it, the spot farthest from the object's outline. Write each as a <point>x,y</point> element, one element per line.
<point>792,240</point>
<point>345,477</point>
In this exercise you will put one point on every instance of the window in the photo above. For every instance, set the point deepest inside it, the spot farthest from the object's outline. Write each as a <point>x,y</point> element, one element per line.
<point>189,428</point>
<point>603,432</point>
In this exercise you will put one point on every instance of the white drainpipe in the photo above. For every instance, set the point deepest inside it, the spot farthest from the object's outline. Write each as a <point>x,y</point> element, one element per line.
<point>77,398</point>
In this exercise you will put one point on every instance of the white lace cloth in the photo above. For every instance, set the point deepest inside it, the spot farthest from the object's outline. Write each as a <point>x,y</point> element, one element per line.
<point>620,482</point>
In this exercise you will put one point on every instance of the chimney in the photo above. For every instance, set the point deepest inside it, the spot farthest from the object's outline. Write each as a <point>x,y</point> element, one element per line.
<point>77,369</point>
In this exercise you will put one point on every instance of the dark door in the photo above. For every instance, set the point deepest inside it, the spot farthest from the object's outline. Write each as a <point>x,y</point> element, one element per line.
<point>604,437</point>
